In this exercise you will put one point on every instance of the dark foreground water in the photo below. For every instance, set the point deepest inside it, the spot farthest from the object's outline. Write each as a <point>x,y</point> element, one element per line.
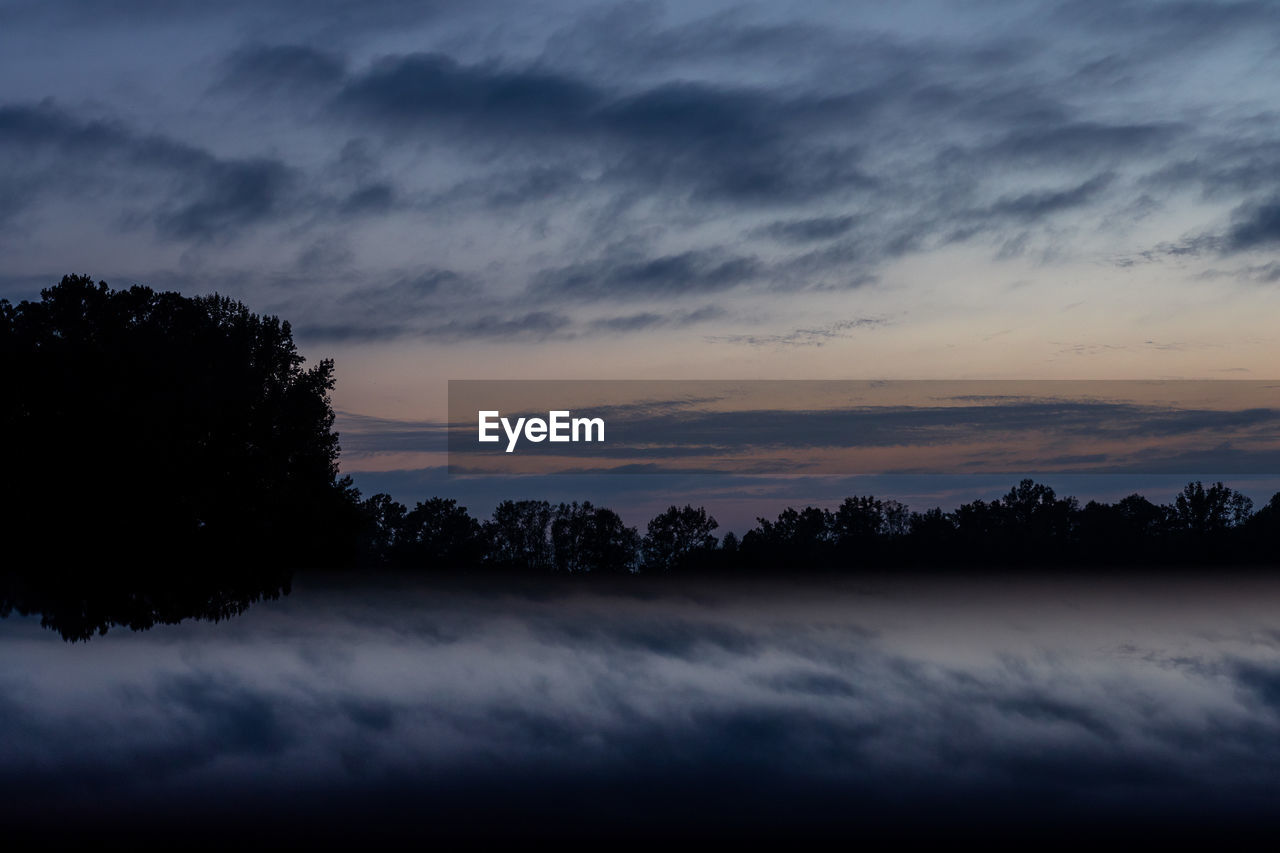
<point>344,712</point>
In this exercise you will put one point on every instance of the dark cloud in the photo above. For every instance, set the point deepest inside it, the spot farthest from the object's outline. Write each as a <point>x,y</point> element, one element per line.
<point>374,198</point>
<point>1031,206</point>
<point>227,196</point>
<point>410,305</point>
<point>375,716</point>
<point>1261,681</point>
<point>626,274</point>
<point>233,718</point>
<point>787,153</point>
<point>808,683</point>
<point>809,230</point>
<point>652,320</point>
<point>539,184</point>
<point>531,326</point>
<point>1086,142</point>
<point>710,140</point>
<point>418,91</point>
<point>535,325</point>
<point>1043,709</point>
<point>665,636</point>
<point>407,292</point>
<point>1256,226</point>
<point>201,196</point>
<point>45,126</point>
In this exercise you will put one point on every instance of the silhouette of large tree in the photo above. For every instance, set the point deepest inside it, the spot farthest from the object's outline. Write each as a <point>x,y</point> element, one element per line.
<point>1206,512</point>
<point>440,535</point>
<point>154,428</point>
<point>677,538</point>
<point>586,538</point>
<point>519,536</point>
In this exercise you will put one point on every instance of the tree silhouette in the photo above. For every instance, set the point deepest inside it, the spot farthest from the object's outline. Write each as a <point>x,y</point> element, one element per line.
<point>1262,530</point>
<point>1132,529</point>
<point>798,541</point>
<point>166,427</point>
<point>519,536</point>
<point>439,534</point>
<point>858,521</point>
<point>382,531</point>
<point>1204,512</point>
<point>1029,526</point>
<point>165,449</point>
<point>678,538</point>
<point>587,538</point>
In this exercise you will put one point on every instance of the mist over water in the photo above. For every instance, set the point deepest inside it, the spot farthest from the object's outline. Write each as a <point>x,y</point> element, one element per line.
<point>558,707</point>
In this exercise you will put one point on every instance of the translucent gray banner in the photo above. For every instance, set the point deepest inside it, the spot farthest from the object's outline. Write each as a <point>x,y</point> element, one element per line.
<point>821,427</point>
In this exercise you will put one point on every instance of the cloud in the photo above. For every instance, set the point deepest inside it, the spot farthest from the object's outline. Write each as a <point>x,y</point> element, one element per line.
<point>232,717</point>
<point>1084,142</point>
<point>530,326</point>
<point>409,306</point>
<point>713,141</point>
<point>625,274</point>
<point>1255,225</point>
<point>419,90</point>
<point>810,683</point>
<point>366,434</point>
<point>810,230</point>
<point>1027,207</point>
<point>1261,681</point>
<point>407,292</point>
<point>635,154</point>
<point>373,198</point>
<point>199,196</point>
<point>803,337</point>
<point>227,196</point>
<point>334,19</point>
<point>766,708</point>
<point>646,320</point>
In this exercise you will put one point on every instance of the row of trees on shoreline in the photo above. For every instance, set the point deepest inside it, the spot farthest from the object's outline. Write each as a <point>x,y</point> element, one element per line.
<point>150,430</point>
<point>1030,525</point>
<point>174,456</point>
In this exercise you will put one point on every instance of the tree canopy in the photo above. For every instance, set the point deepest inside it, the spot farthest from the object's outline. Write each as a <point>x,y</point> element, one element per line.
<point>1030,526</point>
<point>151,427</point>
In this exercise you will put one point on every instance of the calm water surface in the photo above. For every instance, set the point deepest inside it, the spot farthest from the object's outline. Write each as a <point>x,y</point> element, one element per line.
<point>824,706</point>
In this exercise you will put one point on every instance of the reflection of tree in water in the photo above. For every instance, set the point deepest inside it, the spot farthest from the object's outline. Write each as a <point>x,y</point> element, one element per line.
<point>155,441</point>
<point>80,607</point>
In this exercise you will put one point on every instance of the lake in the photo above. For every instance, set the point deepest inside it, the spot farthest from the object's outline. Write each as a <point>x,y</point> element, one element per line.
<point>390,707</point>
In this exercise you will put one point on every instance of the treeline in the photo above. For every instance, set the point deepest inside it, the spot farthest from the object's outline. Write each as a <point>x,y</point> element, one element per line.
<point>1030,525</point>
<point>150,430</point>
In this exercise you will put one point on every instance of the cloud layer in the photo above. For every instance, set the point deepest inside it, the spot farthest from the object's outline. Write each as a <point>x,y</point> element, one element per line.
<point>705,166</point>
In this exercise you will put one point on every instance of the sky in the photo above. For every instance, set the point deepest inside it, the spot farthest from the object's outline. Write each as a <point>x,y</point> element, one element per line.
<point>433,191</point>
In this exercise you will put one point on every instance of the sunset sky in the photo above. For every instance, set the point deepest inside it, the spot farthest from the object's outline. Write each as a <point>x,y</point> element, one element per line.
<point>430,191</point>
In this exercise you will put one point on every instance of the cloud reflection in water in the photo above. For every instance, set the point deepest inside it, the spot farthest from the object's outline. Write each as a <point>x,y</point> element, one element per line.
<point>831,705</point>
